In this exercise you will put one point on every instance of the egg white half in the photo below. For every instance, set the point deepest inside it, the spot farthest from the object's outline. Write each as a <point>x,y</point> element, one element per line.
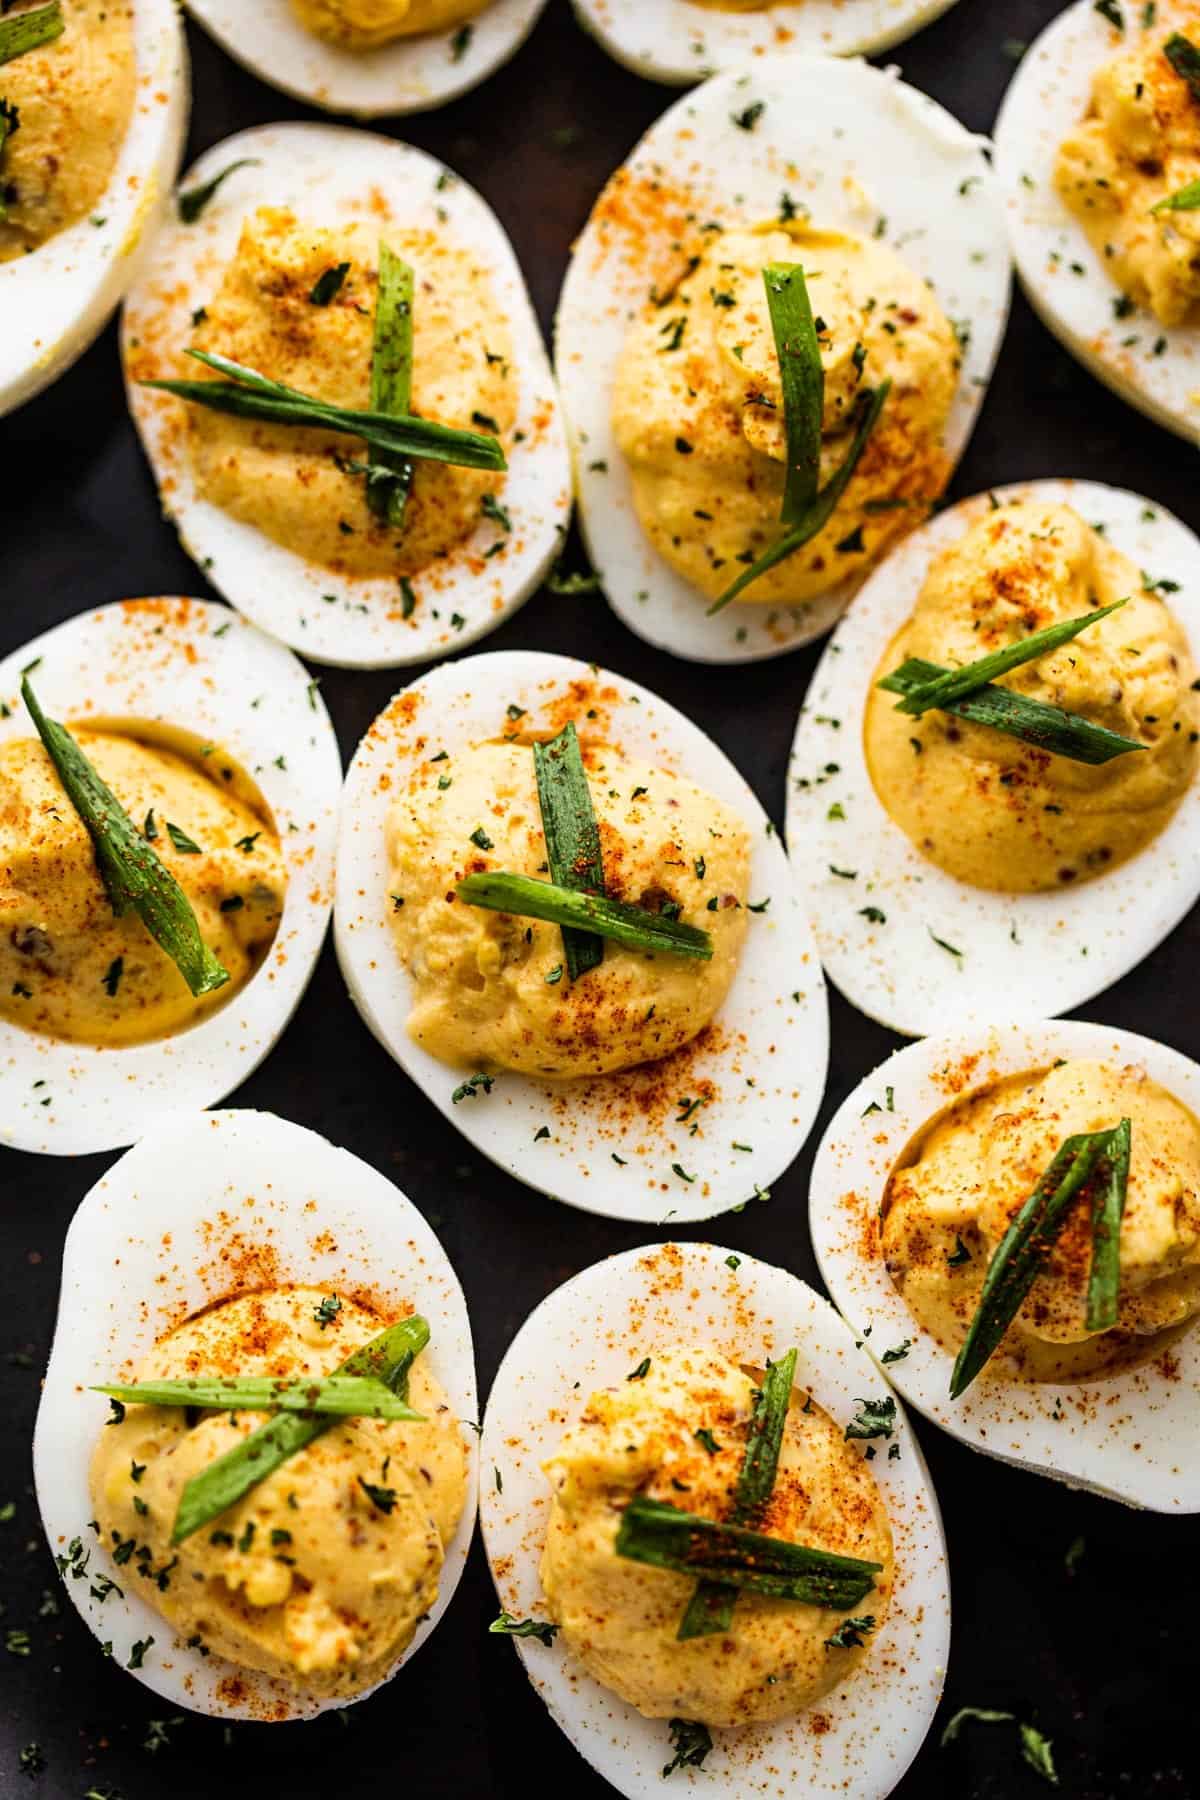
<point>197,667</point>
<point>768,1059</point>
<point>590,1333</point>
<point>328,174</point>
<point>411,75</point>
<point>160,1237</point>
<point>1133,1437</point>
<point>861,150</point>
<point>1153,368</point>
<point>678,42</point>
<point>55,302</point>
<point>1021,956</point>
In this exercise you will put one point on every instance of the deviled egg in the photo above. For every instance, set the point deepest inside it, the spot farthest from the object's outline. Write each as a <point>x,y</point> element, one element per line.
<point>973,1202</point>
<point>248,1567</point>
<point>682,41</point>
<point>1098,154</point>
<point>348,281</point>
<point>371,57</point>
<point>652,1047</point>
<point>93,108</point>
<point>734,494</point>
<point>638,1395</point>
<point>165,891</point>
<point>1018,852</point>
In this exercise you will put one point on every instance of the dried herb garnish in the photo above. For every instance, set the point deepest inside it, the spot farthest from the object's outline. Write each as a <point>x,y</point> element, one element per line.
<point>1184,58</point>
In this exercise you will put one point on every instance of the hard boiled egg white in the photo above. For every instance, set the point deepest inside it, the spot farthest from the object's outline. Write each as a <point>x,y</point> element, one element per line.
<point>589,1334</point>
<point>1133,1437</point>
<point>410,75</point>
<point>618,1142</point>
<point>329,175</point>
<point>864,153</point>
<point>205,1208</point>
<point>56,301</point>
<point>681,42</point>
<point>1000,956</point>
<point>193,667</point>
<point>1152,367</point>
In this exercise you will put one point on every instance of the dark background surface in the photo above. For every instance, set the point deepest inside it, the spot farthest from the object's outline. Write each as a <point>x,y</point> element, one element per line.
<point>1103,1660</point>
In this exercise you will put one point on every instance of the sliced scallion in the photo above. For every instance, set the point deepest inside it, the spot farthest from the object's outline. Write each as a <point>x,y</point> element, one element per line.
<point>802,381</point>
<point>340,1396</point>
<point>1108,1209</point>
<point>1017,715</point>
<point>957,682</point>
<point>30,30</point>
<point>391,380</point>
<point>572,837</point>
<point>632,926</point>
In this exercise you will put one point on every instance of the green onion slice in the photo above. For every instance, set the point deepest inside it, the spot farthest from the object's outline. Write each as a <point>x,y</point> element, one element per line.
<point>1184,199</point>
<point>632,926</point>
<point>710,1609</point>
<point>249,395</point>
<point>1017,715</point>
<point>814,521</point>
<point>30,30</point>
<point>957,682</point>
<point>134,878</point>
<point>1022,1251</point>
<point>1108,1209</point>
<point>391,379</point>
<point>572,837</point>
<point>341,1396</point>
<point>387,1358</point>
<point>661,1535</point>
<point>803,381</point>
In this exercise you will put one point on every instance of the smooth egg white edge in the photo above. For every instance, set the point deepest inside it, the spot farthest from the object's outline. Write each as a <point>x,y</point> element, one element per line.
<point>916,161</point>
<point>777,1001</point>
<point>1046,100</point>
<point>678,42</point>
<point>330,174</point>
<point>589,1333</point>
<point>411,75</point>
<point>155,1241</point>
<point>57,301</point>
<point>1068,945</point>
<point>196,666</point>
<point>1134,1437</point>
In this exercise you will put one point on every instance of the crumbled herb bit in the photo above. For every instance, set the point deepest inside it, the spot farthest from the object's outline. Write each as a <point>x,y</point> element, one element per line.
<point>327,1311</point>
<point>460,43</point>
<point>897,1354</point>
<point>849,1634</point>
<point>31,1761</point>
<point>677,1169</point>
<point>619,1160</point>
<point>872,915</point>
<point>112,976</point>
<point>555,976</point>
<point>150,829</point>
<point>408,598</point>
<point>492,509</point>
<point>852,544</point>
<point>185,845</point>
<point>193,203</point>
<point>758,906</point>
<point>875,1418</point>
<point>507,1626</point>
<point>704,1436</point>
<point>836,811</point>
<point>1111,10</point>
<point>383,1499</point>
<point>328,285</point>
<point>691,1743</point>
<point>748,118</point>
<point>247,1538</point>
<point>474,1084</point>
<point>683,447</point>
<point>641,1372</point>
<point>872,1107</point>
<point>943,945</point>
<point>235,903</point>
<point>486,421</point>
<point>843,874</point>
<point>17,1642</point>
<point>733,1262</point>
<point>959,1255</point>
<point>515,712</point>
<point>700,867</point>
<point>117,1414</point>
<point>541,1133</point>
<point>137,1655</point>
<point>481,840</point>
<point>221,1538</point>
<point>564,585</point>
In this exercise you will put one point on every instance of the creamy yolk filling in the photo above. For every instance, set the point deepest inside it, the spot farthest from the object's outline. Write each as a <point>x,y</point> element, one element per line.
<point>1139,143</point>
<point>306,1578</point>
<point>68,966</point>
<point>960,1183</point>
<point>369,24</point>
<point>301,486</point>
<point>994,811</point>
<point>73,100</point>
<point>698,409</point>
<point>620,1617</point>
<point>492,989</point>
